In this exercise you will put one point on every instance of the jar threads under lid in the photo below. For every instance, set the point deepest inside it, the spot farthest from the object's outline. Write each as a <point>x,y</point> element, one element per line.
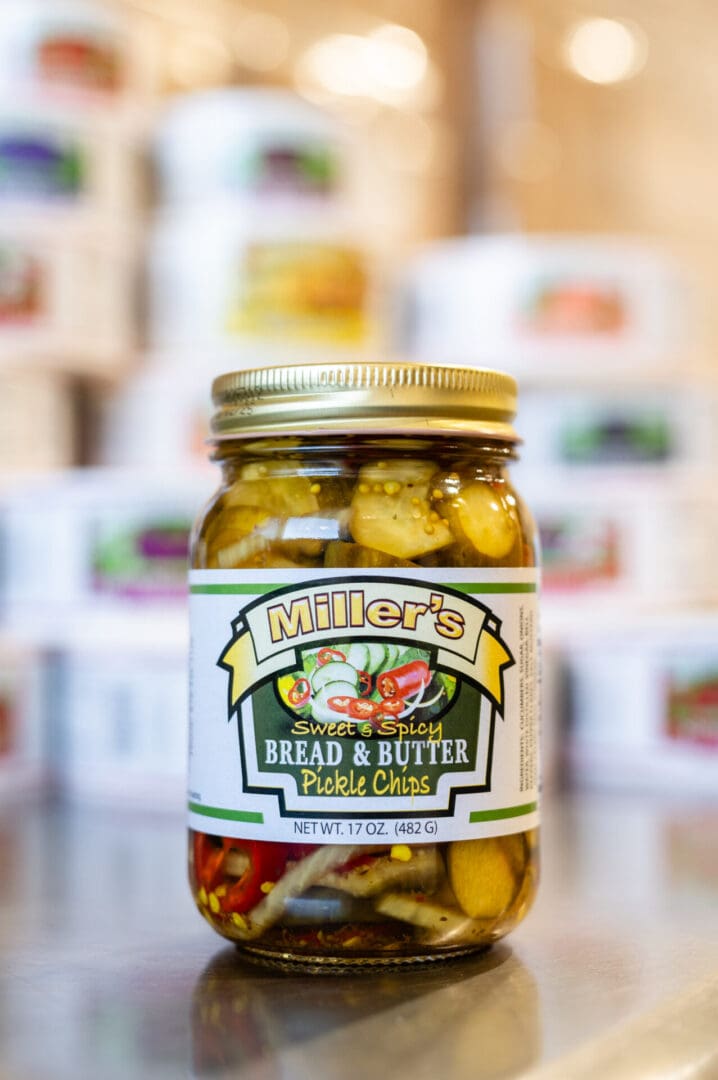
<point>381,397</point>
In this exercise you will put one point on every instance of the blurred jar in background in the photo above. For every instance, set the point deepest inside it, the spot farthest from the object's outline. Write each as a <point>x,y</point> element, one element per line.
<point>254,251</point>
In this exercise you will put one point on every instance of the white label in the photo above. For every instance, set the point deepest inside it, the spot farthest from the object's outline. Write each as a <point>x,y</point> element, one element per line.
<point>361,706</point>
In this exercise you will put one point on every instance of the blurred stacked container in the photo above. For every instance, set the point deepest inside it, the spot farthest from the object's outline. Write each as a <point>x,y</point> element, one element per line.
<point>253,259</point>
<point>619,423</point>
<point>95,568</point>
<point>74,89</point>
<point>70,191</point>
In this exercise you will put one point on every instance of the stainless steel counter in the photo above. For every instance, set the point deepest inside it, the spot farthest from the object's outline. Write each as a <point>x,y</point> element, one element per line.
<point>107,971</point>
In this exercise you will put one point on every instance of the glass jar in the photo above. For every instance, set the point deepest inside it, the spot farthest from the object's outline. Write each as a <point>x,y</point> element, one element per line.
<point>363,749</point>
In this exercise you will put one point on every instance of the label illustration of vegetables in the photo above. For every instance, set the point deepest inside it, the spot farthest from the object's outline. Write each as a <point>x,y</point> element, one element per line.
<point>366,681</point>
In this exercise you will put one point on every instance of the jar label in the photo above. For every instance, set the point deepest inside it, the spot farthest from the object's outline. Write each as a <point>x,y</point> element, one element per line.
<point>78,60</point>
<point>300,291</point>
<point>364,705</point>
<point>39,166</point>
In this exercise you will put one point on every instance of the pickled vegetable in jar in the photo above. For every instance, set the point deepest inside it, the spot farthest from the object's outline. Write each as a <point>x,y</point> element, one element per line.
<point>363,784</point>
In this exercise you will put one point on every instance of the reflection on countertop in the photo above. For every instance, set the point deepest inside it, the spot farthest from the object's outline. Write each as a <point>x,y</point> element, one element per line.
<point>108,971</point>
<point>239,1013</point>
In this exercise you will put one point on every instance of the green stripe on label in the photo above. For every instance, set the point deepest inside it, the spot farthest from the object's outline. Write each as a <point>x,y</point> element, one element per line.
<point>227,815</point>
<point>460,586</point>
<point>495,587</point>
<point>507,812</point>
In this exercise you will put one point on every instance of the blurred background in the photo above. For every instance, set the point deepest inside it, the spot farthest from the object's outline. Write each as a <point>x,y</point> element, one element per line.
<point>187,189</point>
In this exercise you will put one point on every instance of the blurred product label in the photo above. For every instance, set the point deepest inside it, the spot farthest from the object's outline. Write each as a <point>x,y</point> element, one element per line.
<point>644,705</point>
<point>6,723</point>
<point>579,552</point>
<point>144,561</point>
<point>39,166</point>
<point>21,286</point>
<point>548,305</point>
<point>261,142</point>
<point>22,722</point>
<point>692,708</point>
<point>616,439</point>
<point>288,169</point>
<point>569,306</point>
<point>629,427</point>
<point>70,59</point>
<point>114,541</point>
<point>308,292</point>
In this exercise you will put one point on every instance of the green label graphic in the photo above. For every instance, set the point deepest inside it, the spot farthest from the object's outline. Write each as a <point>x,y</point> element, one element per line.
<point>389,757</point>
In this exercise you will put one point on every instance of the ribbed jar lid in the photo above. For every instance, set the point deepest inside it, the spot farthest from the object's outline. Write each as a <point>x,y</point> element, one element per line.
<point>383,397</point>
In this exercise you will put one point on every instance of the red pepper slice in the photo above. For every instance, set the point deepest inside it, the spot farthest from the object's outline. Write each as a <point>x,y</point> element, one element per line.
<point>266,863</point>
<point>364,682</point>
<point>208,860</point>
<point>300,851</point>
<point>326,655</point>
<point>392,706</point>
<point>300,693</point>
<point>362,709</point>
<point>339,704</point>
<point>404,681</point>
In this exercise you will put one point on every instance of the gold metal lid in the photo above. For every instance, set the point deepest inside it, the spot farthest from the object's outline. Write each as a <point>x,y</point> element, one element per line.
<point>369,398</point>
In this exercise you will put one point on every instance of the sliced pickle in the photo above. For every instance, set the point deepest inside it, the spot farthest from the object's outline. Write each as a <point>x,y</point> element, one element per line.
<point>340,554</point>
<point>482,514</point>
<point>481,876</point>
<point>236,522</point>
<point>303,550</point>
<point>271,558</point>
<point>392,510</point>
<point>331,492</point>
<point>275,487</point>
<point>230,535</point>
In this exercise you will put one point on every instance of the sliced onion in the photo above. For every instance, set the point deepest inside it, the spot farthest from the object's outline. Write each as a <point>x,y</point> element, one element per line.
<point>418,701</point>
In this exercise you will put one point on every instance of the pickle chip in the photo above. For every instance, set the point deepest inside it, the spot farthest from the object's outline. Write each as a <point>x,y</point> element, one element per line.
<point>481,877</point>
<point>234,523</point>
<point>485,519</point>
<point>341,554</point>
<point>275,487</point>
<point>234,536</point>
<point>392,512</point>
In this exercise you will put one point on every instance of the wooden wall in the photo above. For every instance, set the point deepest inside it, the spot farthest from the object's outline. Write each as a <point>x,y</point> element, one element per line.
<point>638,157</point>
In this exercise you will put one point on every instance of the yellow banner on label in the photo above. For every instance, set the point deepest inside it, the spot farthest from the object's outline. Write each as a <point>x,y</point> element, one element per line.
<point>491,659</point>
<point>239,660</point>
